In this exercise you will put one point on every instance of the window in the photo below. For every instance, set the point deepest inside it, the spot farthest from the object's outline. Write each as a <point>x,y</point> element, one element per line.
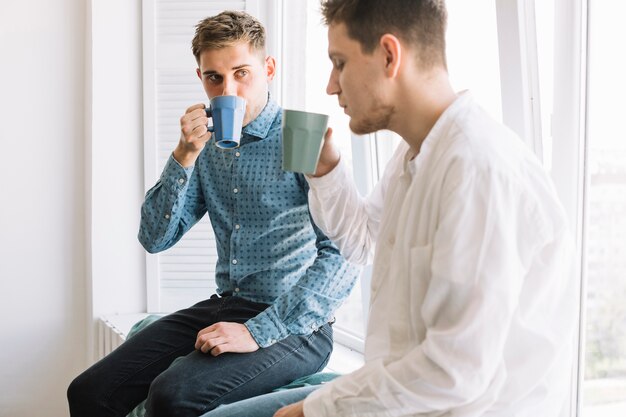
<point>604,385</point>
<point>582,85</point>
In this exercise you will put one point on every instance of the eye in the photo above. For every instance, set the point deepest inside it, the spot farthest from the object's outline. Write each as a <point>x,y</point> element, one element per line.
<point>242,73</point>
<point>214,78</point>
<point>338,64</point>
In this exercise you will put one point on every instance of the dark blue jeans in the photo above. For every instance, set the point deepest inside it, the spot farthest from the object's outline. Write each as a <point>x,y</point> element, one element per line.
<point>198,382</point>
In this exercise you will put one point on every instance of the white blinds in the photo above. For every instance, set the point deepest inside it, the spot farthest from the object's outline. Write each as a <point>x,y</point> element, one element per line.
<point>185,273</point>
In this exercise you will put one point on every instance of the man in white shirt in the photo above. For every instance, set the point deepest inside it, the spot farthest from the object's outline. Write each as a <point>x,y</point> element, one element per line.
<point>472,308</point>
<point>473,298</point>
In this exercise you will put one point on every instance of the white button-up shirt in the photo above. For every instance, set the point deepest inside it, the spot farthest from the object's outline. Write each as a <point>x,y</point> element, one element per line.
<point>472,309</point>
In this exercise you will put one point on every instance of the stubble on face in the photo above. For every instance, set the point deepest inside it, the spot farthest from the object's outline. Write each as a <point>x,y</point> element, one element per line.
<point>376,118</point>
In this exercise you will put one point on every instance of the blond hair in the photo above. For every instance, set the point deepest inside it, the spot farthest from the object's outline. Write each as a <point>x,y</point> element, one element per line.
<point>226,29</point>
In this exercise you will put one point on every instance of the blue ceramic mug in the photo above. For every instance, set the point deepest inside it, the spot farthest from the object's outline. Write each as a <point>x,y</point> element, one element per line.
<point>227,113</point>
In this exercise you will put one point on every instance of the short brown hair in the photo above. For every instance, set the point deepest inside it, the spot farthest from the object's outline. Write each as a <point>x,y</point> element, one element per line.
<point>421,23</point>
<point>226,29</point>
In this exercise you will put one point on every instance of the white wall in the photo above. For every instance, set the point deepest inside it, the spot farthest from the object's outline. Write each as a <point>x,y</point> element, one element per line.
<point>71,185</point>
<point>42,214</point>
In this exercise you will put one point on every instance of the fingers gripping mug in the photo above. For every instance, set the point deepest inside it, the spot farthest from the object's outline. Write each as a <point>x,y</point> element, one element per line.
<point>227,113</point>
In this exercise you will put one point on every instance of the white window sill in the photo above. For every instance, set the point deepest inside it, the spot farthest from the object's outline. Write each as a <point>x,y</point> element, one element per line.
<point>343,359</point>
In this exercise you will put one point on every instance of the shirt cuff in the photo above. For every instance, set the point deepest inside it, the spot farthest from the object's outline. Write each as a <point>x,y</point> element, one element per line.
<point>266,328</point>
<point>334,179</point>
<point>175,175</point>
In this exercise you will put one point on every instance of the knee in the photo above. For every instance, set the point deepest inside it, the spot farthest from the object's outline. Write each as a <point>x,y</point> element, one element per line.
<point>82,396</point>
<point>77,390</point>
<point>166,397</point>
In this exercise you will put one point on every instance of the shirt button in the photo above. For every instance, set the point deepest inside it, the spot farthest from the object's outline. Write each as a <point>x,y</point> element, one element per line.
<point>167,216</point>
<point>273,341</point>
<point>235,190</point>
<point>181,180</point>
<point>237,153</point>
<point>236,289</point>
<point>237,226</point>
<point>234,261</point>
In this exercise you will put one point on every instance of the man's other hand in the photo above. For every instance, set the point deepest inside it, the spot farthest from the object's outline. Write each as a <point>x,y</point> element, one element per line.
<point>225,337</point>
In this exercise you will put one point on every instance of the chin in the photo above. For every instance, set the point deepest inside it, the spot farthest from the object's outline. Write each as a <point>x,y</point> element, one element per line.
<point>378,118</point>
<point>359,128</point>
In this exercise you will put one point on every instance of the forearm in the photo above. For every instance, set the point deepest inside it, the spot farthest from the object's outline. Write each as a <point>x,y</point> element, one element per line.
<point>166,214</point>
<point>185,155</point>
<point>350,221</point>
<point>310,303</point>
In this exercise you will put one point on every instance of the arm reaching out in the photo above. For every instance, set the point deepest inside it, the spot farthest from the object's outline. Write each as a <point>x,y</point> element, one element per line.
<point>348,219</point>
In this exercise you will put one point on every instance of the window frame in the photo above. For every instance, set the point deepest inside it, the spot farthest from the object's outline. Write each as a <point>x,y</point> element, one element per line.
<point>569,138</point>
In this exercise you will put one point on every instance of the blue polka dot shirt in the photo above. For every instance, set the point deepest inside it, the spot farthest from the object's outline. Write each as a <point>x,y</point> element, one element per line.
<point>268,248</point>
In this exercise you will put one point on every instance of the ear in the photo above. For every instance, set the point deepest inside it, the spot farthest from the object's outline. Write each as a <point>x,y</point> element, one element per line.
<point>198,73</point>
<point>270,67</point>
<point>392,52</point>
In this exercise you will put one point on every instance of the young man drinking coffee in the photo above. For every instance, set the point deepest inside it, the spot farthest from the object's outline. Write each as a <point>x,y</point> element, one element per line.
<point>279,278</point>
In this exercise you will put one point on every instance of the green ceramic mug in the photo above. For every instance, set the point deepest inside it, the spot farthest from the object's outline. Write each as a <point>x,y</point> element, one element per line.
<point>303,136</point>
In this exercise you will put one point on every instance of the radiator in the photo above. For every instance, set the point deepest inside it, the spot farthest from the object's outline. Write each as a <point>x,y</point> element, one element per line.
<point>109,337</point>
<point>112,331</point>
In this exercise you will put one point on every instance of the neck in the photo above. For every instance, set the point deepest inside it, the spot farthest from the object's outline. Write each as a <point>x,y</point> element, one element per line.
<point>420,103</point>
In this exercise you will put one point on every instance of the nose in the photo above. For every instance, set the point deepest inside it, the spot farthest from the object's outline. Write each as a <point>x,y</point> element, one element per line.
<point>333,84</point>
<point>229,87</point>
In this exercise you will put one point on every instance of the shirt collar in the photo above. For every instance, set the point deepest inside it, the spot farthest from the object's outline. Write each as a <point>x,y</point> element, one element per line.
<point>260,126</point>
<point>438,131</point>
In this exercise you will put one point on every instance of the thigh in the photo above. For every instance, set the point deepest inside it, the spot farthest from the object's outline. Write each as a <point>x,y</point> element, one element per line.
<point>263,405</point>
<point>200,382</point>
<point>155,347</point>
<point>122,379</point>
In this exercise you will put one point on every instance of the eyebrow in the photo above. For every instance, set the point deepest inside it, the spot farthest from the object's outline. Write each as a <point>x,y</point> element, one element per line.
<point>334,54</point>
<point>235,68</point>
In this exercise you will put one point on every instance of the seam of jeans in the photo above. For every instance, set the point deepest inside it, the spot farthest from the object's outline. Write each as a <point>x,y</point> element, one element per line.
<point>291,352</point>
